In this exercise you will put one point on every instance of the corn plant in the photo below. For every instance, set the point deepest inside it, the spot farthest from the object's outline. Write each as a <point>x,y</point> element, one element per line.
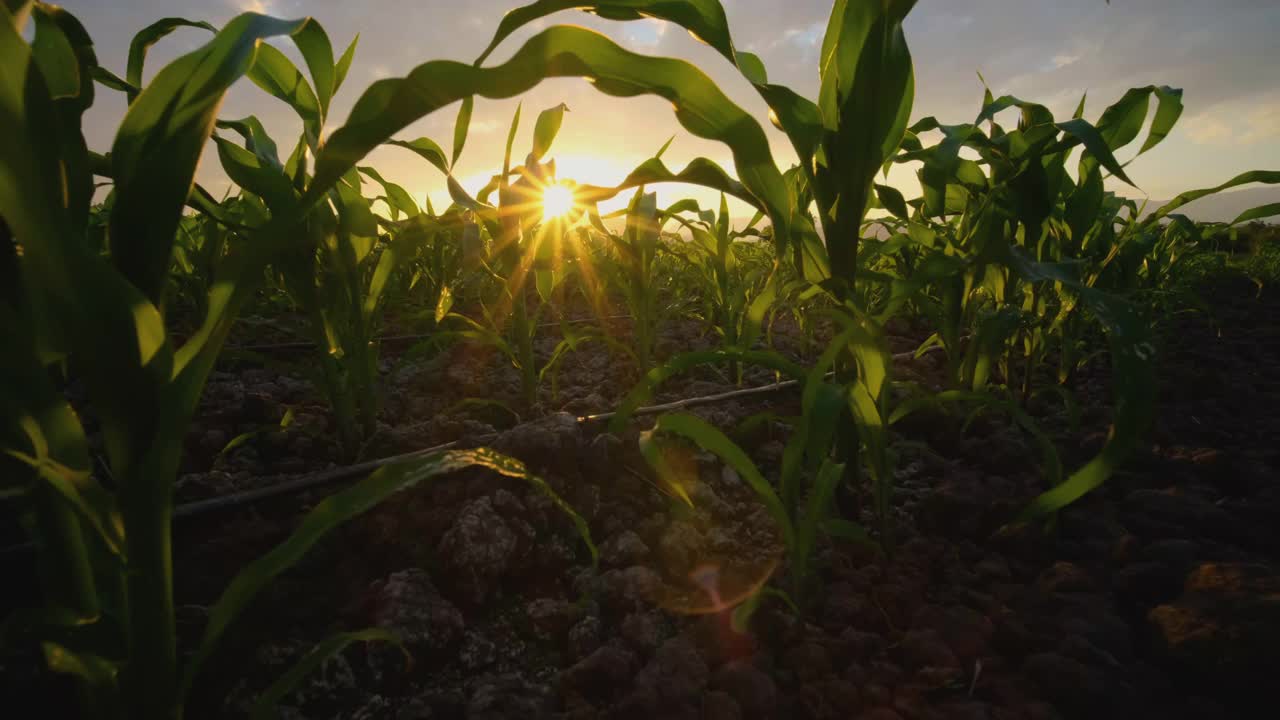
<point>104,549</point>
<point>1014,259</point>
<point>633,267</point>
<point>335,276</point>
<point>743,292</point>
<point>802,504</point>
<point>522,246</point>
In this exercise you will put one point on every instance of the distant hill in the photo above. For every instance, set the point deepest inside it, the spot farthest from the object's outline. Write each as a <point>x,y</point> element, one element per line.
<point>1227,206</point>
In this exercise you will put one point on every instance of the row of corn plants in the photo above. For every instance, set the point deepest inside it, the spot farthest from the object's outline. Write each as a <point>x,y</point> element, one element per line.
<point>84,300</point>
<point>1011,256</point>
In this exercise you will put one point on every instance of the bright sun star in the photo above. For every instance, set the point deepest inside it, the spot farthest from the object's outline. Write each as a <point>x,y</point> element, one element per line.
<point>557,200</point>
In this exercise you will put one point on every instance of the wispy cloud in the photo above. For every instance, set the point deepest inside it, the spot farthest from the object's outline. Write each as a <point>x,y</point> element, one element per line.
<point>257,6</point>
<point>1242,123</point>
<point>1060,61</point>
<point>1208,129</point>
<point>646,33</point>
<point>807,37</point>
<point>1262,124</point>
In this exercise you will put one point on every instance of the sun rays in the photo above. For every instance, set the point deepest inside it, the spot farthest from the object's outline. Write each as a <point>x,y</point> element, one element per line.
<point>557,201</point>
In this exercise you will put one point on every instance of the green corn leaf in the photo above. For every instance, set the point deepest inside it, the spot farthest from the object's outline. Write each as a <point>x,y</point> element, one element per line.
<point>63,51</point>
<point>482,334</point>
<point>1269,177</point>
<point>341,507</point>
<point>1258,213</point>
<point>462,126</point>
<point>1032,113</point>
<point>280,78</point>
<point>699,171</point>
<point>47,437</point>
<point>257,141</point>
<point>160,140</point>
<point>344,64</point>
<point>108,79</point>
<point>98,672</point>
<point>398,198</point>
<point>511,141</point>
<point>427,149</point>
<point>817,508</point>
<point>355,217</point>
<point>753,319</point>
<point>253,175</point>
<point>545,130</point>
<point>1121,122</point>
<point>820,404</point>
<point>704,19</point>
<point>740,619</point>
<point>17,12</point>
<point>752,68</point>
<point>1093,141</point>
<point>866,94</point>
<point>149,36</point>
<point>713,441</point>
<point>1168,111</point>
<point>55,51</point>
<point>891,199</point>
<point>265,708</point>
<point>994,332</point>
<point>94,640</point>
<point>317,52</point>
<point>389,105</point>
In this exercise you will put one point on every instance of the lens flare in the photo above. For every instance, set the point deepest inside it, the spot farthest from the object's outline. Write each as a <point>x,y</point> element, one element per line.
<point>557,201</point>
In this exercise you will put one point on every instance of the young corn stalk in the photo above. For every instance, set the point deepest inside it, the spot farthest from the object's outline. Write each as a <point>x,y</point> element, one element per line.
<point>340,285</point>
<point>527,247</point>
<point>633,266</point>
<point>743,292</point>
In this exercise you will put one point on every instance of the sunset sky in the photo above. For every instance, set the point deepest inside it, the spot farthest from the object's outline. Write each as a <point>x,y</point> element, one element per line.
<point>1223,53</point>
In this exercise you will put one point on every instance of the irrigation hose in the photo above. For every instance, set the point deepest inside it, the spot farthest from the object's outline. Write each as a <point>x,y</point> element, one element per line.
<point>337,475</point>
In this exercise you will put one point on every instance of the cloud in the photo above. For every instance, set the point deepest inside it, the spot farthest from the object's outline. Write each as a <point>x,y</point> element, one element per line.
<point>1207,129</point>
<point>808,36</point>
<point>1262,123</point>
<point>1060,61</point>
<point>646,33</point>
<point>1242,123</point>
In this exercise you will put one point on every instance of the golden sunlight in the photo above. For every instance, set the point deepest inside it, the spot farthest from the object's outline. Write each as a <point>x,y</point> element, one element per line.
<point>557,201</point>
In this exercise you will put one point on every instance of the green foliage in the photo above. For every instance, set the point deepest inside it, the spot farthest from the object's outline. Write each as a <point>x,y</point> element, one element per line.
<point>86,290</point>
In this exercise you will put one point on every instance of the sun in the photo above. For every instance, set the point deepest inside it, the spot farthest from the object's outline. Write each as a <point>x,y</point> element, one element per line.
<point>557,201</point>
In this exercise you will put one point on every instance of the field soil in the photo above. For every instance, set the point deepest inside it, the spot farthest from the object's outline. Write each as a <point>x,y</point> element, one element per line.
<point>1157,596</point>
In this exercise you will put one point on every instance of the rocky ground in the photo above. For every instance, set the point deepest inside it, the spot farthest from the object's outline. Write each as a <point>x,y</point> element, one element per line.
<point>1155,597</point>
